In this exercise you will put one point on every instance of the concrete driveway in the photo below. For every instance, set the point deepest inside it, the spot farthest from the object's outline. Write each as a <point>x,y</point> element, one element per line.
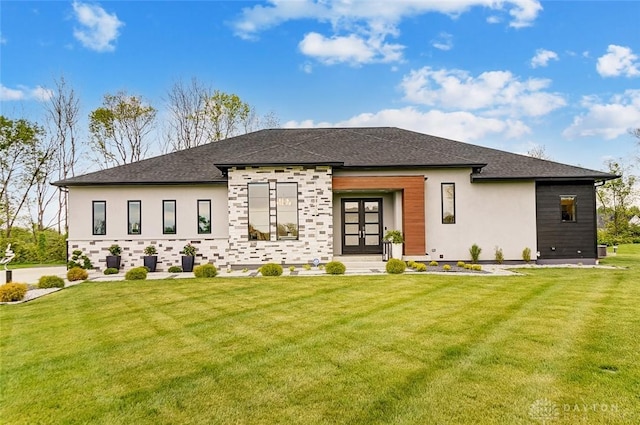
<point>31,275</point>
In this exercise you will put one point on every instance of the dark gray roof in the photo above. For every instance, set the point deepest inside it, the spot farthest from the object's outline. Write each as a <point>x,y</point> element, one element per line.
<point>372,147</point>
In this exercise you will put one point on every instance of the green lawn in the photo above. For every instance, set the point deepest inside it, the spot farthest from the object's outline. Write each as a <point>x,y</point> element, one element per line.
<point>420,349</point>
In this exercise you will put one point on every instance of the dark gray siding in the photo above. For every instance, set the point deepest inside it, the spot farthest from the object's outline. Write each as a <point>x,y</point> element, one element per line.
<point>564,240</point>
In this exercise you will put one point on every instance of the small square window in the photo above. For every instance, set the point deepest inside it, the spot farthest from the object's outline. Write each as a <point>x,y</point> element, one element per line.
<point>568,208</point>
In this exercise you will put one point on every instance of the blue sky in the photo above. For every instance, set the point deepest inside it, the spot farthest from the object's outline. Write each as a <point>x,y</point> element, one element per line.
<point>506,74</point>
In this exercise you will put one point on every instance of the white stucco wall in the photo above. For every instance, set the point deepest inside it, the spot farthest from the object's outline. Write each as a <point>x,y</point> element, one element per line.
<point>501,214</point>
<point>211,247</point>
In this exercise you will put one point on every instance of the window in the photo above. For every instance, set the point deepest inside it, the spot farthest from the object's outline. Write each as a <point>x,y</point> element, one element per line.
<point>259,211</point>
<point>448,192</point>
<point>99,217</point>
<point>287,210</point>
<point>169,217</point>
<point>134,214</point>
<point>568,208</point>
<point>204,216</point>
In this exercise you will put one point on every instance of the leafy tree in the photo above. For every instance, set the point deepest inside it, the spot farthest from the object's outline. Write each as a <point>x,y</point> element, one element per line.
<point>119,127</point>
<point>616,197</point>
<point>24,160</point>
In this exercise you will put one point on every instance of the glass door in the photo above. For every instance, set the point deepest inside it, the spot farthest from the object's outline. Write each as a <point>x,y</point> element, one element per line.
<point>362,226</point>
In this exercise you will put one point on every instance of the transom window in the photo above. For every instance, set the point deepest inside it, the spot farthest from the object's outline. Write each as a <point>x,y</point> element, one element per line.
<point>568,208</point>
<point>169,217</point>
<point>287,210</point>
<point>258,194</point>
<point>448,193</point>
<point>134,217</point>
<point>99,220</point>
<point>204,216</point>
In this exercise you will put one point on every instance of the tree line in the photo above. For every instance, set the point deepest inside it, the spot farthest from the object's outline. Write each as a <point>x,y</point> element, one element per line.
<point>123,129</point>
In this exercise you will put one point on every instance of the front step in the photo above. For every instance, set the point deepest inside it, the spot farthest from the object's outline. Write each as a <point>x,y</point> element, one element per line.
<point>361,262</point>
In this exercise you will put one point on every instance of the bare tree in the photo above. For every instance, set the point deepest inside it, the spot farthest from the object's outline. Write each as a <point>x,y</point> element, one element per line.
<point>186,126</point>
<point>539,151</point>
<point>62,113</point>
<point>119,129</point>
<point>198,115</point>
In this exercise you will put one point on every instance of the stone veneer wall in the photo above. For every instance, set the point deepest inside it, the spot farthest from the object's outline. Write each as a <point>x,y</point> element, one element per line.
<point>209,251</point>
<point>315,220</point>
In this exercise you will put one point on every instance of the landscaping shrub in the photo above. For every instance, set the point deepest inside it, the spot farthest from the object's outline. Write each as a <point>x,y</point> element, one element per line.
<point>468,266</point>
<point>526,255</point>
<point>110,270</point>
<point>433,263</point>
<point>271,269</point>
<point>412,264</point>
<point>475,251</point>
<point>461,263</point>
<point>395,266</point>
<point>136,273</point>
<point>446,267</point>
<point>477,267</point>
<point>77,273</point>
<point>335,267</point>
<point>175,269</point>
<point>499,256</point>
<point>292,268</point>
<point>205,270</point>
<point>420,267</point>
<point>50,282</point>
<point>12,291</point>
<point>78,259</point>
<point>307,267</point>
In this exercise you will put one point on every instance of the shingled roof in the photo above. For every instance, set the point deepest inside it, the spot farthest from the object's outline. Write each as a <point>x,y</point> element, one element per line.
<point>348,148</point>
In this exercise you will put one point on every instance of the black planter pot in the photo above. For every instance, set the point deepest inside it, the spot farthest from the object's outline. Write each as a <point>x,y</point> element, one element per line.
<point>150,262</point>
<point>113,261</point>
<point>187,263</point>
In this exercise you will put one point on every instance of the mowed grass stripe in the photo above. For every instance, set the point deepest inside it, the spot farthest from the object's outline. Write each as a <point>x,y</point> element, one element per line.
<point>375,349</point>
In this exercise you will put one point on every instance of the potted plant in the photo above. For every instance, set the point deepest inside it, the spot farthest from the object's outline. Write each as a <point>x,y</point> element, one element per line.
<point>189,252</point>
<point>150,258</point>
<point>396,239</point>
<point>113,260</point>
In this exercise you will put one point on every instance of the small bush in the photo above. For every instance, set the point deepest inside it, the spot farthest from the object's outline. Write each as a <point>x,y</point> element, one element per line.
<point>526,255</point>
<point>292,268</point>
<point>205,270</point>
<point>12,292</point>
<point>51,282</point>
<point>150,250</point>
<point>77,273</point>
<point>115,250</point>
<point>499,256</point>
<point>468,266</point>
<point>433,264</point>
<point>446,267</point>
<point>136,273</point>
<point>271,269</point>
<point>475,251</point>
<point>175,269</point>
<point>78,259</point>
<point>335,267</point>
<point>307,267</point>
<point>461,264</point>
<point>110,270</point>
<point>421,267</point>
<point>412,264</point>
<point>395,266</point>
<point>477,267</point>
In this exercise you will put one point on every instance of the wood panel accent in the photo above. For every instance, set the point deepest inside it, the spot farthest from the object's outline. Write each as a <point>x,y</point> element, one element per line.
<point>413,217</point>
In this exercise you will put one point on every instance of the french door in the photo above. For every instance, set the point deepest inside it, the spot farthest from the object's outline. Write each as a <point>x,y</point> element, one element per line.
<point>362,226</point>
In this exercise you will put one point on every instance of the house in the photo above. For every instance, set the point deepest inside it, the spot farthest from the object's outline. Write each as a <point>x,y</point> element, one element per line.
<point>294,195</point>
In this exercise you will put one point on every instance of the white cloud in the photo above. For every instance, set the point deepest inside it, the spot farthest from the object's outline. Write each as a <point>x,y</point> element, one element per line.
<point>350,49</point>
<point>455,125</point>
<point>543,57</point>
<point>494,19</point>
<point>443,42</point>
<point>606,119</point>
<point>25,93</point>
<point>359,23</point>
<point>99,29</point>
<point>494,93</point>
<point>619,60</point>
